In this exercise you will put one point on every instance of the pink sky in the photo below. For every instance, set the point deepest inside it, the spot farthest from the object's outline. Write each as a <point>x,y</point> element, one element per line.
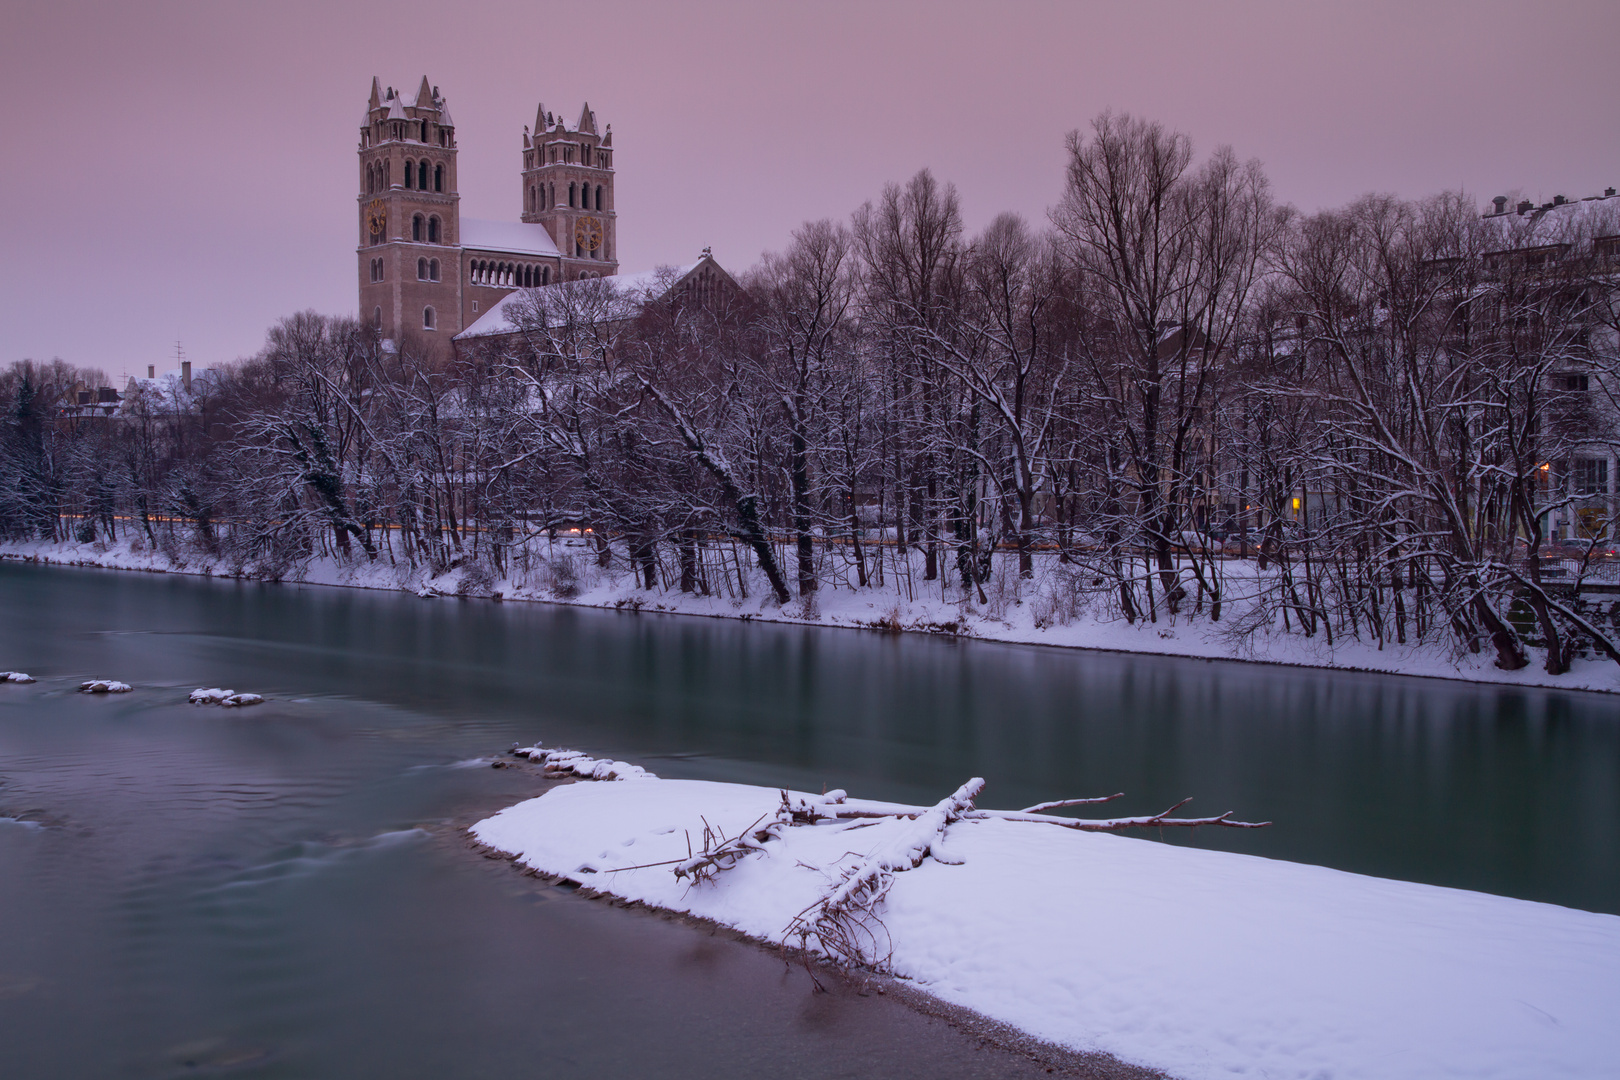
<point>187,171</point>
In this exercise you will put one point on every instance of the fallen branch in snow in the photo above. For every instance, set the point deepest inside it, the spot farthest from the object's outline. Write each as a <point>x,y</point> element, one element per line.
<point>843,924</point>
<point>835,805</point>
<point>842,921</point>
<point>719,853</point>
<point>1162,818</point>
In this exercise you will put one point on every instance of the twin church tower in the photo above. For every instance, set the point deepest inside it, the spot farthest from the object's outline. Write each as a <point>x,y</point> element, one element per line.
<point>426,272</point>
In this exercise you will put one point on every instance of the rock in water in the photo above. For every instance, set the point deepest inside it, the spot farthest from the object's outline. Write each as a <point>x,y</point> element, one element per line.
<point>242,699</point>
<point>104,686</point>
<point>212,696</point>
<point>15,676</point>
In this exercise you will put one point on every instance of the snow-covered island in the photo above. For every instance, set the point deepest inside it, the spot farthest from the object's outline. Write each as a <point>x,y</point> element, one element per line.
<point>1203,964</point>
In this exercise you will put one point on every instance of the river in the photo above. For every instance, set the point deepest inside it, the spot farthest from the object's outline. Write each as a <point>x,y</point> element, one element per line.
<point>285,891</point>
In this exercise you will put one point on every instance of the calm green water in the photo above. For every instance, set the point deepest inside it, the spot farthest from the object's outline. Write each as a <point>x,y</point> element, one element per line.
<point>283,891</point>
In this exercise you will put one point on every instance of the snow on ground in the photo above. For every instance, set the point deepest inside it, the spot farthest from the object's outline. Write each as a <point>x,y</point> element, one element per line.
<point>1204,964</point>
<point>1017,612</point>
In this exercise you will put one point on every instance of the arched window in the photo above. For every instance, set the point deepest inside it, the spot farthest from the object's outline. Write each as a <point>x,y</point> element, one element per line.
<point>416,228</point>
<point>599,196</point>
<point>545,275</point>
<point>433,230</point>
<point>552,201</point>
<point>572,194</point>
<point>376,317</point>
<point>421,269</point>
<point>438,178</point>
<point>428,318</point>
<point>422,173</point>
<point>531,198</point>
<point>424,135</point>
<point>433,270</point>
<point>369,181</point>
<point>410,174</point>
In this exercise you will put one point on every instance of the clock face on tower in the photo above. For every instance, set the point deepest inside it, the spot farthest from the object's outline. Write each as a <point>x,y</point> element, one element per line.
<point>588,233</point>
<point>377,217</point>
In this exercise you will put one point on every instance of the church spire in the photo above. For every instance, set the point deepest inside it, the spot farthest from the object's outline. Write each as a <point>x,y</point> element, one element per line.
<point>424,96</point>
<point>587,119</point>
<point>376,94</point>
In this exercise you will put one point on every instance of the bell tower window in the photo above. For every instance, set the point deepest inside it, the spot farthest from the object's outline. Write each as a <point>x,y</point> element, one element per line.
<point>438,178</point>
<point>428,318</point>
<point>422,175</point>
<point>433,230</point>
<point>416,228</point>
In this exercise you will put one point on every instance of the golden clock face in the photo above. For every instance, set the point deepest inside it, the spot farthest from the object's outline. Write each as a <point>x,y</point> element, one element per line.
<point>588,233</point>
<point>377,216</point>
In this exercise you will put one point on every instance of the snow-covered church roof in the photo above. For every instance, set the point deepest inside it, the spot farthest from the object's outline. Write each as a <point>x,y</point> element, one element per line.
<point>507,237</point>
<point>608,299</point>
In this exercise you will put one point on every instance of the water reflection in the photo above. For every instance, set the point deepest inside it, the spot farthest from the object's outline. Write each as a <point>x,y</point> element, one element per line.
<point>282,890</point>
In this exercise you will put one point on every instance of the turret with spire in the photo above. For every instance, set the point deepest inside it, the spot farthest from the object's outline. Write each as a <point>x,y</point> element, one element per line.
<point>409,208</point>
<point>568,187</point>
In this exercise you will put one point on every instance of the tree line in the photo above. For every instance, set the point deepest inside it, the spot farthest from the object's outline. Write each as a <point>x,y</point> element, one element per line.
<point>1176,398</point>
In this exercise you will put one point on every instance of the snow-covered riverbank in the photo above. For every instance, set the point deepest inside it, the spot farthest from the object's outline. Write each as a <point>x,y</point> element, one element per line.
<point>1204,964</point>
<point>1016,612</point>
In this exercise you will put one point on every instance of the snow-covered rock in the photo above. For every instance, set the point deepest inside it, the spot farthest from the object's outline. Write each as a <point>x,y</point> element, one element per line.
<point>575,763</point>
<point>15,676</point>
<point>104,686</point>
<point>227,698</point>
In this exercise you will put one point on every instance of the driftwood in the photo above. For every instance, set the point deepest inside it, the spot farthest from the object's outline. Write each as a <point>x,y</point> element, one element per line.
<point>843,924</point>
<point>835,805</point>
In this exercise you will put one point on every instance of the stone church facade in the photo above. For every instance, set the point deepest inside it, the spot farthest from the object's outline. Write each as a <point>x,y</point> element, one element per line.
<point>426,272</point>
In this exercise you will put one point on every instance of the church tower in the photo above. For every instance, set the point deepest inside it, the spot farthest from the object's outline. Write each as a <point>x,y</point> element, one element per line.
<point>409,218</point>
<point>568,188</point>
